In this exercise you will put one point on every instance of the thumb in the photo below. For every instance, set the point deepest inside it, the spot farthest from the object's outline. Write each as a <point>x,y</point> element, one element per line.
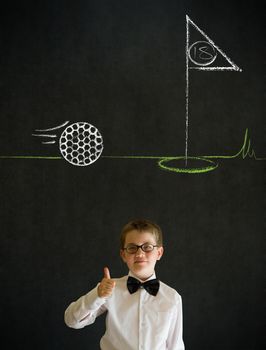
<point>106,273</point>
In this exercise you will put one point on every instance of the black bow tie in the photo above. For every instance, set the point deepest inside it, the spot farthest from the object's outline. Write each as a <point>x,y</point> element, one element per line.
<point>151,286</point>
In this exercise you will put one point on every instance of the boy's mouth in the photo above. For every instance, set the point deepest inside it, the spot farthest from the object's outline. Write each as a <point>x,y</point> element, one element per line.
<point>140,261</point>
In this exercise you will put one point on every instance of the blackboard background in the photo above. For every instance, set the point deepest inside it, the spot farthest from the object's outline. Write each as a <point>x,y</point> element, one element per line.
<point>120,65</point>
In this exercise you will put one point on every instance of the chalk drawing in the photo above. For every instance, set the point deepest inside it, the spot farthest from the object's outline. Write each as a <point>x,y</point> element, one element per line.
<point>40,133</point>
<point>54,128</point>
<point>80,143</point>
<point>164,161</point>
<point>46,136</point>
<point>200,55</point>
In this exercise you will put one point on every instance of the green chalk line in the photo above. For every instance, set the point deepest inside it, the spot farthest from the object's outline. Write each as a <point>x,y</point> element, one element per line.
<point>30,157</point>
<point>244,152</point>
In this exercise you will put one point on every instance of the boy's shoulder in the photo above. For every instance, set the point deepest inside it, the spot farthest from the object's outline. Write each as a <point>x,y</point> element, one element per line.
<point>120,279</point>
<point>168,292</point>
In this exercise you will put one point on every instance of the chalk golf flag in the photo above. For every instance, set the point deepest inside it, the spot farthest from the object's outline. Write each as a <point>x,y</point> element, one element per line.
<point>202,54</point>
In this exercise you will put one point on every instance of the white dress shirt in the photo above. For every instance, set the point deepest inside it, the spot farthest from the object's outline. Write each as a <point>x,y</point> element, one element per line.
<point>136,321</point>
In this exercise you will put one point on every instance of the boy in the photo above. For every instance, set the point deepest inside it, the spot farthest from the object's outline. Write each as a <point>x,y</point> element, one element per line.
<point>142,312</point>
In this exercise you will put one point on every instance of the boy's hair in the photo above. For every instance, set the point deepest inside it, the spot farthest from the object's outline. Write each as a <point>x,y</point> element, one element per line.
<point>142,225</point>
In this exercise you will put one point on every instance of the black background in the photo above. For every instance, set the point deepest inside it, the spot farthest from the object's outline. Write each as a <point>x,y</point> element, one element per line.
<point>120,65</point>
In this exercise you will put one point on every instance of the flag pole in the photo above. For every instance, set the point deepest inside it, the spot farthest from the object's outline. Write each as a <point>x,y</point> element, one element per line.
<point>187,91</point>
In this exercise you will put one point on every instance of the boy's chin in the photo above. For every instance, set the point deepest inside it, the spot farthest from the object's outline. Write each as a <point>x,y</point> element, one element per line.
<point>142,272</point>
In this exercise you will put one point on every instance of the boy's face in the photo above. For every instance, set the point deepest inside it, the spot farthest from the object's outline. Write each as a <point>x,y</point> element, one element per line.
<point>141,264</point>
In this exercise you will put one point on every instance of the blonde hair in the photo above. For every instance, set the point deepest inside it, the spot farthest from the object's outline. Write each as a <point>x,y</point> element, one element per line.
<point>142,225</point>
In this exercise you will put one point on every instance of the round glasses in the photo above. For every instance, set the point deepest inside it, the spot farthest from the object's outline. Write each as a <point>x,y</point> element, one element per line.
<point>133,248</point>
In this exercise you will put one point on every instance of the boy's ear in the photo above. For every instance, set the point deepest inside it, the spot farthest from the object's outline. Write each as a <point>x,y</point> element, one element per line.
<point>160,251</point>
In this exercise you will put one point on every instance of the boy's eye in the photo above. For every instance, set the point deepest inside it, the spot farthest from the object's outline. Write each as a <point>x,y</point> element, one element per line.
<point>132,248</point>
<point>147,247</point>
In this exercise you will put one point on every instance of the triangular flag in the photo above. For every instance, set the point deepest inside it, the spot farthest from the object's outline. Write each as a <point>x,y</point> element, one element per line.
<point>203,54</point>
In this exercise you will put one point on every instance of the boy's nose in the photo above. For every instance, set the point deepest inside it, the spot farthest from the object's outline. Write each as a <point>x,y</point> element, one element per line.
<point>139,252</point>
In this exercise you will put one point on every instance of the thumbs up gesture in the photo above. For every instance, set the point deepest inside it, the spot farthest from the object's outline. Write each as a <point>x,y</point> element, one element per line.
<point>107,285</point>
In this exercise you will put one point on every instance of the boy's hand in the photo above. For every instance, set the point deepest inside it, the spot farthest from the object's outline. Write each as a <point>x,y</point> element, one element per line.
<point>107,285</point>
